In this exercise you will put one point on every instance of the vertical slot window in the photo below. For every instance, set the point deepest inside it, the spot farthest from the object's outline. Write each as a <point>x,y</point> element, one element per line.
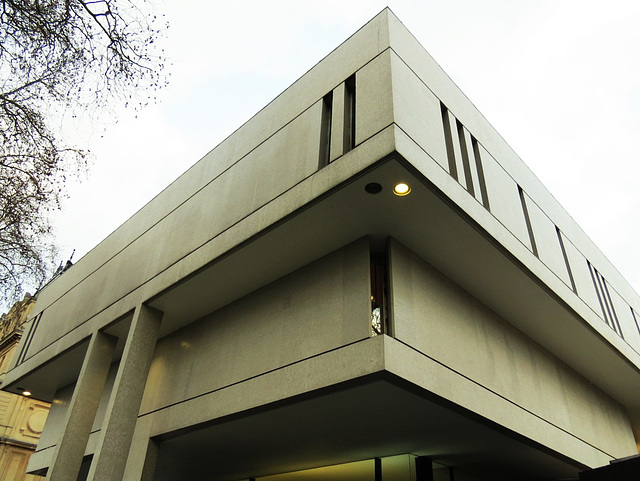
<point>451,156</point>
<point>566,260</point>
<point>378,304</point>
<point>349,114</point>
<point>325,130</point>
<point>527,220</point>
<point>465,158</point>
<point>636,319</point>
<point>377,469</point>
<point>614,316</point>
<point>27,342</point>
<point>604,298</point>
<point>596,286</point>
<point>483,185</point>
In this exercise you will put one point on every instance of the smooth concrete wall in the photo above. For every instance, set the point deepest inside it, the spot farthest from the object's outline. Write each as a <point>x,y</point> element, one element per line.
<point>516,198</point>
<point>549,249</point>
<point>442,321</point>
<point>374,98</point>
<point>504,199</point>
<point>363,46</point>
<point>318,308</point>
<point>269,155</point>
<point>416,110</point>
<point>288,157</point>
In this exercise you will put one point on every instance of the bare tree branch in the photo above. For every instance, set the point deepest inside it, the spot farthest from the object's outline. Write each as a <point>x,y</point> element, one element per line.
<point>59,55</point>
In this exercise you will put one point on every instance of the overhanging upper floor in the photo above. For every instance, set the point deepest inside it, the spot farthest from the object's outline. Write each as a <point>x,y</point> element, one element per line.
<point>290,186</point>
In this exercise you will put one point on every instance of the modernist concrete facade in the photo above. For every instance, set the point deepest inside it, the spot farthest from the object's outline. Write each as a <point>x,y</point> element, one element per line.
<point>278,313</point>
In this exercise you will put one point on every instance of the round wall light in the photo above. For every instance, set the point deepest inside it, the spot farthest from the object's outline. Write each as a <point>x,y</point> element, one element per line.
<point>401,189</point>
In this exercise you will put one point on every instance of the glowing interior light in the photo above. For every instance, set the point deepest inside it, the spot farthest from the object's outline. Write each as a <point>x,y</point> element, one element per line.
<point>401,189</point>
<point>26,393</point>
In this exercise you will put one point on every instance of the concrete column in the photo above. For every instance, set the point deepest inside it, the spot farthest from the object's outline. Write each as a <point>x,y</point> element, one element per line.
<point>149,468</point>
<point>143,453</point>
<point>68,454</point>
<point>119,423</point>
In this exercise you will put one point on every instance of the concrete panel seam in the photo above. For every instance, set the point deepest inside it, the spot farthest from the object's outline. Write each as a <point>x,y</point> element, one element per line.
<point>503,398</point>
<point>575,295</point>
<point>256,376</point>
<point>203,244</point>
<point>209,182</point>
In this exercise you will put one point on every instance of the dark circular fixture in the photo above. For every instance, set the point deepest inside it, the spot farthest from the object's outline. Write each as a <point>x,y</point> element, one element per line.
<point>373,188</point>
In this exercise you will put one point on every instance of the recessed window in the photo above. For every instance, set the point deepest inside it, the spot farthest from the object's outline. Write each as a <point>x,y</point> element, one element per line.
<point>349,139</point>
<point>325,130</point>
<point>378,283</point>
<point>635,319</point>
<point>604,298</point>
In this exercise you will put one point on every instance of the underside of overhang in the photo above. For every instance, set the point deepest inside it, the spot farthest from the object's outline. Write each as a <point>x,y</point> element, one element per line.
<point>427,222</point>
<point>437,230</point>
<point>377,416</point>
<point>64,368</point>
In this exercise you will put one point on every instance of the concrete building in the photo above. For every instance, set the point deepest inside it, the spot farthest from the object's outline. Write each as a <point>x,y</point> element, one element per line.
<point>21,417</point>
<point>279,313</point>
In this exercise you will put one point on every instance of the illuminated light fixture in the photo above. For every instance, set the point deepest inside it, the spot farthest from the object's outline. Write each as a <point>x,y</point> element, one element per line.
<point>24,391</point>
<point>401,189</point>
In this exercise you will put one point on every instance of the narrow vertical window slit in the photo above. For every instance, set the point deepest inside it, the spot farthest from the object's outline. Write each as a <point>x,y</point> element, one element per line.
<point>325,130</point>
<point>377,468</point>
<point>614,316</point>
<point>465,158</point>
<point>480,170</point>
<point>594,274</point>
<point>635,319</point>
<point>27,342</point>
<point>527,220</point>
<point>446,126</point>
<point>605,301</point>
<point>378,295</point>
<point>566,260</point>
<point>350,114</point>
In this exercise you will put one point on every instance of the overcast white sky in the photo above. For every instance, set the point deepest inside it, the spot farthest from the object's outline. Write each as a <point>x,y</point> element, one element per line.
<point>559,79</point>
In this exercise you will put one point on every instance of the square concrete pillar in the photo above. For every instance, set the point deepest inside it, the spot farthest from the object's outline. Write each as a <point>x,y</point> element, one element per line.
<point>143,453</point>
<point>119,423</point>
<point>69,451</point>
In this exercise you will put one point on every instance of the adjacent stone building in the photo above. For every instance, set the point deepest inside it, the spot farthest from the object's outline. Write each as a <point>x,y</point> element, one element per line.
<point>362,282</point>
<point>21,417</point>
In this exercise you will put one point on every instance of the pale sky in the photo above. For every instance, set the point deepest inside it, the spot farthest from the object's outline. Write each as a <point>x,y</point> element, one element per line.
<point>559,80</point>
